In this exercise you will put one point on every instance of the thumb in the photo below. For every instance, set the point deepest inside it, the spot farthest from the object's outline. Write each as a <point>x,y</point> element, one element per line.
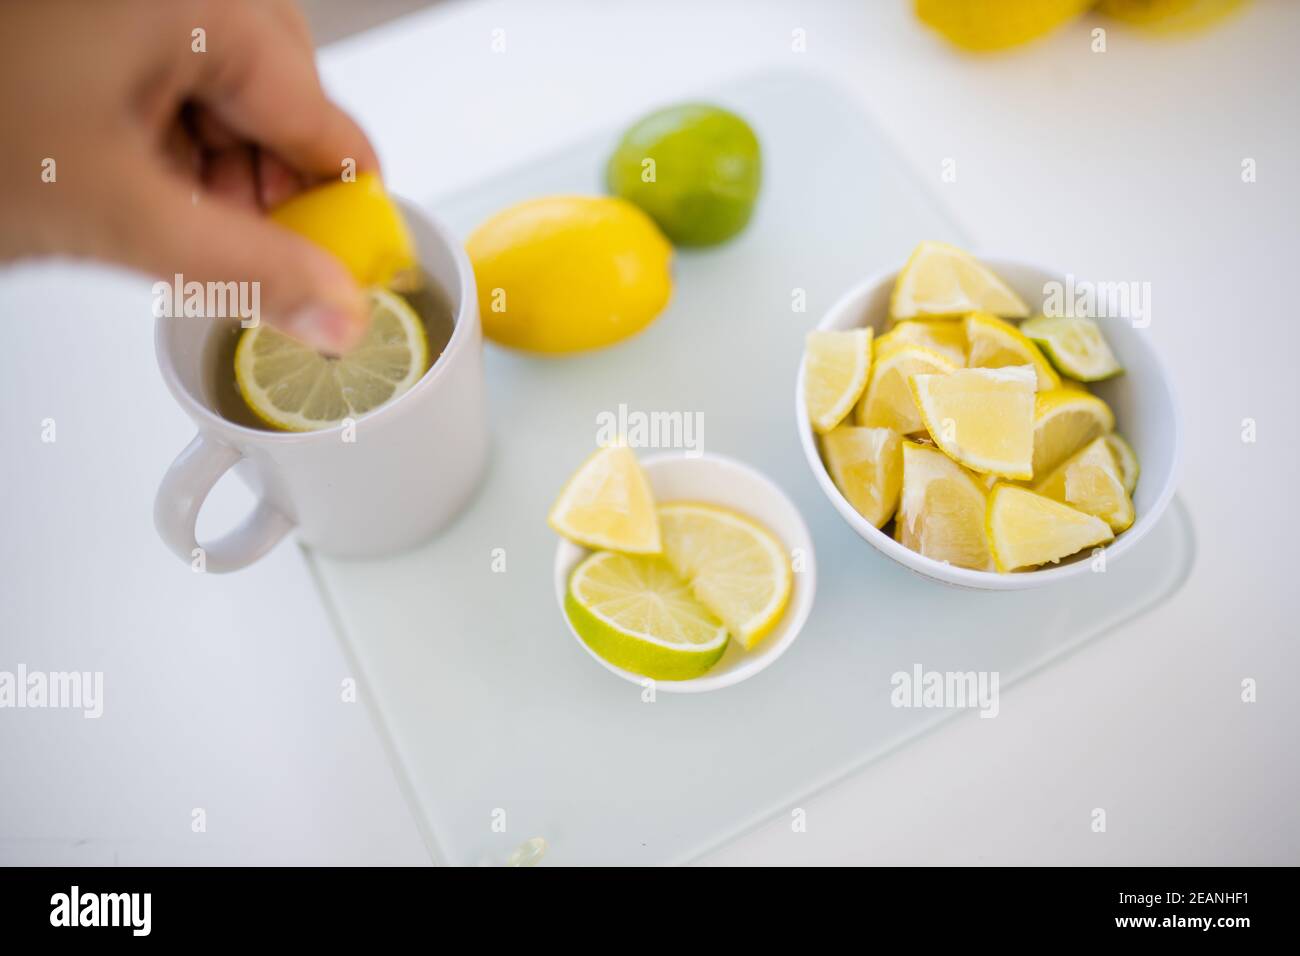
<point>300,288</point>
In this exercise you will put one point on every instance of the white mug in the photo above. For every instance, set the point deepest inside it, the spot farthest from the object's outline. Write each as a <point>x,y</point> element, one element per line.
<point>405,471</point>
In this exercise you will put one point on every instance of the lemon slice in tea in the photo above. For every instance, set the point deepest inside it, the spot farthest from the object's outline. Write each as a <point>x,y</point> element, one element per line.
<point>293,387</point>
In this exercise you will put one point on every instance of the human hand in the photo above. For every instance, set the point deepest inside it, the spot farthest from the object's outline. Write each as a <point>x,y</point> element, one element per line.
<point>133,138</point>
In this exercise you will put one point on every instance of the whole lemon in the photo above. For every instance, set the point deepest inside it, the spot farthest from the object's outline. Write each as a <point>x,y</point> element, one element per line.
<point>568,273</point>
<point>997,24</point>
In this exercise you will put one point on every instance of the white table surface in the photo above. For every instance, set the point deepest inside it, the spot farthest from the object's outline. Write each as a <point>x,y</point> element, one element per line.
<point>223,693</point>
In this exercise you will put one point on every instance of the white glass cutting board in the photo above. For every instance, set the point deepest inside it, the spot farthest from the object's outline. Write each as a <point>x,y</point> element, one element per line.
<point>495,716</point>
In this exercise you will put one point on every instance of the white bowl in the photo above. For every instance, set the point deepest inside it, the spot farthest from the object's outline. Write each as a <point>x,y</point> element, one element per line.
<point>726,482</point>
<point>1146,413</point>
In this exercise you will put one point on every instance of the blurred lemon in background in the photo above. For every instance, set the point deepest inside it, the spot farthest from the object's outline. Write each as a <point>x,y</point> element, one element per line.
<point>694,168</point>
<point>999,24</point>
<point>357,222</point>
<point>1170,15</point>
<point>996,24</point>
<point>568,273</point>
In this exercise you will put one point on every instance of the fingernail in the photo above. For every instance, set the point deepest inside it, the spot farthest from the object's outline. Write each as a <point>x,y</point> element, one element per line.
<point>324,329</point>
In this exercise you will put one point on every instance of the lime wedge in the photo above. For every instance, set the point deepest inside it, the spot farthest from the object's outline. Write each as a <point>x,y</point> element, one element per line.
<point>1074,345</point>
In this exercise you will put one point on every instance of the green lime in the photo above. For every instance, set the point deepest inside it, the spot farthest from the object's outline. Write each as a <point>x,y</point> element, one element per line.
<point>694,168</point>
<point>637,613</point>
<point>1074,345</point>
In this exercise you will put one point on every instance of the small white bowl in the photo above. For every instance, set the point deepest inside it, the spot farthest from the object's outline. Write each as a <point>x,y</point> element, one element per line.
<point>1146,413</point>
<point>726,482</point>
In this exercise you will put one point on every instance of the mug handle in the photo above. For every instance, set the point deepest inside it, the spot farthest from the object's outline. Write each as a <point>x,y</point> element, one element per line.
<point>180,497</point>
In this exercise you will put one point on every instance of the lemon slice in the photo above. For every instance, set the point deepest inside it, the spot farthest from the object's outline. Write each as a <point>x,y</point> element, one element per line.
<point>1027,529</point>
<point>982,418</point>
<point>293,387</point>
<point>836,365</point>
<point>1090,481</point>
<point>940,279</point>
<point>1075,346</point>
<point>995,343</point>
<point>941,513</point>
<point>947,337</point>
<point>888,401</point>
<point>358,223</point>
<point>866,465</point>
<point>737,568</point>
<point>1127,460</point>
<point>1065,420</point>
<point>608,504</point>
<point>636,612</point>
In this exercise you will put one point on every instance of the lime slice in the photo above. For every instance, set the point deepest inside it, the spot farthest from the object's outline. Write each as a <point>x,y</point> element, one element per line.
<point>1127,460</point>
<point>737,568</point>
<point>1075,346</point>
<point>608,504</point>
<point>867,467</point>
<point>293,387</point>
<point>940,279</point>
<point>636,612</point>
<point>358,223</point>
<point>982,418</point>
<point>947,337</point>
<point>1065,420</point>
<point>995,343</point>
<point>1027,529</point>
<point>888,402</point>
<point>942,509</point>
<point>836,366</point>
<point>1090,481</point>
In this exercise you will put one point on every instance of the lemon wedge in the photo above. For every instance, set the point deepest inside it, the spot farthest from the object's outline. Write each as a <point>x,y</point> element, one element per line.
<point>995,343</point>
<point>293,387</point>
<point>982,418</point>
<point>940,279</point>
<point>836,366</point>
<point>947,337</point>
<point>1066,419</point>
<point>1090,481</point>
<point>1127,460</point>
<point>636,612</point>
<point>888,401</point>
<point>941,512</point>
<point>866,465</point>
<point>608,504</point>
<point>736,568</point>
<point>358,223</point>
<point>1028,529</point>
